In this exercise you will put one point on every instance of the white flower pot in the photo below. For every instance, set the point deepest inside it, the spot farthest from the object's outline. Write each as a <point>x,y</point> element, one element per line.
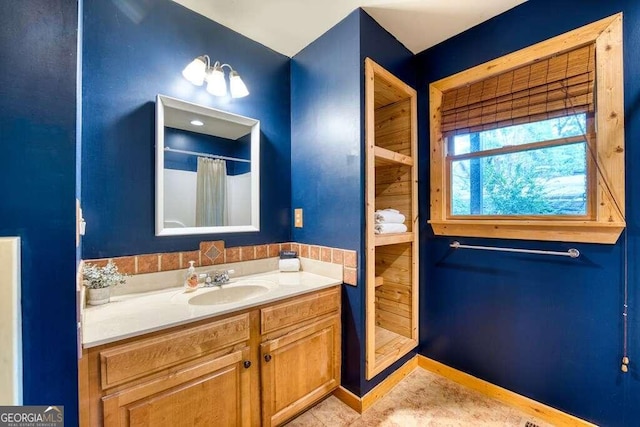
<point>98,296</point>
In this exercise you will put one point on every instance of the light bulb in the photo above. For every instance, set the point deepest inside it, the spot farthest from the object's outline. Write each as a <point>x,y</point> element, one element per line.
<point>216,84</point>
<point>237,86</point>
<point>195,71</point>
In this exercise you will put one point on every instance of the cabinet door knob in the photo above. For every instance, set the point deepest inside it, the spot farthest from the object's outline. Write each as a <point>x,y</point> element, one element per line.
<point>267,357</point>
<point>247,364</point>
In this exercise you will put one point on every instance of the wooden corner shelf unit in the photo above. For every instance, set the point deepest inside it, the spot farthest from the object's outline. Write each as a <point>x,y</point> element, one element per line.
<point>391,182</point>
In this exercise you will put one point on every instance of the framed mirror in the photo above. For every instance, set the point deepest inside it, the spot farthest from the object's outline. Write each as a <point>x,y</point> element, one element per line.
<point>207,170</point>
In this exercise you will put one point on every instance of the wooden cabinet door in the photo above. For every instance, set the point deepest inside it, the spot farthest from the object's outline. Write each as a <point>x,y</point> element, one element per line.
<point>212,392</point>
<point>299,368</point>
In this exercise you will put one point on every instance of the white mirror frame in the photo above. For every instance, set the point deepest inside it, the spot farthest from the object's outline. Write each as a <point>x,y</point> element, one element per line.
<point>163,101</point>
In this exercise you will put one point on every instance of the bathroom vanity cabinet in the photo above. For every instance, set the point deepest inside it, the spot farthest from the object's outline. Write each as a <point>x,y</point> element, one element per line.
<point>261,366</point>
<point>300,354</point>
<point>391,182</point>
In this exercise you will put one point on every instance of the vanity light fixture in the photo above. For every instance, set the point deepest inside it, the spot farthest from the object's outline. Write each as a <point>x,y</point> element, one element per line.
<point>200,70</point>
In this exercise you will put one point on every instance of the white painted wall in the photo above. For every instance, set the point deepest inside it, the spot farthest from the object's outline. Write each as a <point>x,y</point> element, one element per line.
<point>10,323</point>
<point>179,198</point>
<point>239,199</point>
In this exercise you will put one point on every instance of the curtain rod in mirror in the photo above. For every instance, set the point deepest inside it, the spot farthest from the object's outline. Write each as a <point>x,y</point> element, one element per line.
<point>212,156</point>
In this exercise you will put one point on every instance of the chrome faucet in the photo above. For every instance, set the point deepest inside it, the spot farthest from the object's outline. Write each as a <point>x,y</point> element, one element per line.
<point>217,278</point>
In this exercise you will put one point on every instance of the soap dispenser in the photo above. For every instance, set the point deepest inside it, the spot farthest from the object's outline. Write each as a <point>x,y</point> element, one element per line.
<point>191,280</point>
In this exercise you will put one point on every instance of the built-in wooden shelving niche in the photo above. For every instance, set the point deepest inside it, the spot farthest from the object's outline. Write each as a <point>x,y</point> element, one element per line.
<point>391,182</point>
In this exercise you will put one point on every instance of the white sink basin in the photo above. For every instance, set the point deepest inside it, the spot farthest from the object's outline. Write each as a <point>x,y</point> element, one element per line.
<point>228,295</point>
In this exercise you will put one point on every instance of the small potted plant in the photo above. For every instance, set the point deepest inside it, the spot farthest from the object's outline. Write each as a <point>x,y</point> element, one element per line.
<point>99,280</point>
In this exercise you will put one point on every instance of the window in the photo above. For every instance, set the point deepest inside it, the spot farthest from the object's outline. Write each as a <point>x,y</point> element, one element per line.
<point>514,147</point>
<point>533,169</point>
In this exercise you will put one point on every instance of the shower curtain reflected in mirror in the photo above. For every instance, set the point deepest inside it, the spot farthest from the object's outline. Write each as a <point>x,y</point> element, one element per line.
<point>211,193</point>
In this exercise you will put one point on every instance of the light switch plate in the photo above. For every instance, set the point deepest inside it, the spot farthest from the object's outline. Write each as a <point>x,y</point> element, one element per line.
<point>297,217</point>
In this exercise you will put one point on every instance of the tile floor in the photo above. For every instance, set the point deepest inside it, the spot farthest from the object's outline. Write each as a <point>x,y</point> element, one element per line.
<point>421,399</point>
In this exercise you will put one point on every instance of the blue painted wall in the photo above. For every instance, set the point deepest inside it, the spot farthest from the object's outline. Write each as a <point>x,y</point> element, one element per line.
<point>381,46</point>
<point>192,141</point>
<point>37,129</point>
<point>547,328</point>
<point>326,162</point>
<point>129,56</point>
<point>327,136</point>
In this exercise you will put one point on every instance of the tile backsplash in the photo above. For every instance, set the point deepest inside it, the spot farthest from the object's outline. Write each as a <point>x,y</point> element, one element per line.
<point>214,253</point>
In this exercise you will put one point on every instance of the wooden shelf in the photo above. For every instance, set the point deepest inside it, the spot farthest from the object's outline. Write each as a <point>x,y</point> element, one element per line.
<point>394,238</point>
<point>379,281</point>
<point>390,346</point>
<point>386,157</point>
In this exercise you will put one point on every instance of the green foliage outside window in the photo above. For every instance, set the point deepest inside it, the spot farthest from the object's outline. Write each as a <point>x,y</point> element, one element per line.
<point>541,181</point>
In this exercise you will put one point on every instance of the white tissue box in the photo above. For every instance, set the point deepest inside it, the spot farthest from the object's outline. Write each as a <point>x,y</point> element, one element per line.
<point>290,264</point>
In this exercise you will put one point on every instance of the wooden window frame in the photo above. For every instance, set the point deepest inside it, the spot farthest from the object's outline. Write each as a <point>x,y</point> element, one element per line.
<point>606,180</point>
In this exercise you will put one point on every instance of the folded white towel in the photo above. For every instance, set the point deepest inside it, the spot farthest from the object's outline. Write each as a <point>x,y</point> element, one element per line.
<point>390,228</point>
<point>388,210</point>
<point>389,217</point>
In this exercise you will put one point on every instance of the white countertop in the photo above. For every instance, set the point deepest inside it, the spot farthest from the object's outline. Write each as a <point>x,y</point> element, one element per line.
<point>140,313</point>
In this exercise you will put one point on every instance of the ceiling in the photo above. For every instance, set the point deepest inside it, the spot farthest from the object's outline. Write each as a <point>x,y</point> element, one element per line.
<point>287,26</point>
<point>222,128</point>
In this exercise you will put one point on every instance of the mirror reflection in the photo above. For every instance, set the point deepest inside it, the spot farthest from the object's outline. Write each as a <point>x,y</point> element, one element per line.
<point>207,170</point>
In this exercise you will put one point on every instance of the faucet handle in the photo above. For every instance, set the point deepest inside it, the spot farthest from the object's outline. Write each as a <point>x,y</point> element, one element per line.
<point>221,276</point>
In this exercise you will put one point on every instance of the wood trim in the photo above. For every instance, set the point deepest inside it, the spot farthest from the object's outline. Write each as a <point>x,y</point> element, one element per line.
<point>439,178</point>
<point>608,220</point>
<point>564,231</point>
<point>610,123</point>
<point>562,43</point>
<point>361,404</point>
<point>379,391</point>
<point>525,404</point>
<point>370,238</point>
<point>348,398</point>
<point>415,228</point>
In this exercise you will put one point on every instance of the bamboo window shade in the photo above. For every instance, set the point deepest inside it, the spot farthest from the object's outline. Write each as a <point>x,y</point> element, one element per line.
<point>557,86</point>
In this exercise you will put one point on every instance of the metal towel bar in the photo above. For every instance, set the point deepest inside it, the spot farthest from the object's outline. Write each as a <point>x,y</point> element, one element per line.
<point>572,253</point>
